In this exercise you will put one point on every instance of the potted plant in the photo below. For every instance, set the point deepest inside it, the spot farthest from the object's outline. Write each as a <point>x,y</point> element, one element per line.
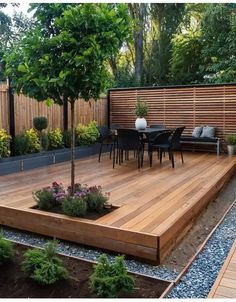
<point>141,110</point>
<point>231,143</point>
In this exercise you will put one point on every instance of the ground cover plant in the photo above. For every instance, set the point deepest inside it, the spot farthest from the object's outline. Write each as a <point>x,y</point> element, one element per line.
<point>6,250</point>
<point>85,199</point>
<point>110,280</point>
<point>43,266</point>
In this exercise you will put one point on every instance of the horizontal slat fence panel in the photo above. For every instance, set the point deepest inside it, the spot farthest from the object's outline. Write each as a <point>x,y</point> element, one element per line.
<point>26,109</point>
<point>177,106</point>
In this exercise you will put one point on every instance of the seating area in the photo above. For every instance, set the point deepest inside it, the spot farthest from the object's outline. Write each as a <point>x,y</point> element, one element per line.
<point>202,136</point>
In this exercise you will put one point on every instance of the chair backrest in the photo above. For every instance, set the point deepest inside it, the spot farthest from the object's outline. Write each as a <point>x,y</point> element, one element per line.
<point>161,126</point>
<point>105,133</point>
<point>161,138</point>
<point>175,138</point>
<point>116,126</point>
<point>128,139</point>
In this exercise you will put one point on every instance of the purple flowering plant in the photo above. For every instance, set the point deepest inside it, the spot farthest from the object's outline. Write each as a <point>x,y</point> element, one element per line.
<point>56,195</point>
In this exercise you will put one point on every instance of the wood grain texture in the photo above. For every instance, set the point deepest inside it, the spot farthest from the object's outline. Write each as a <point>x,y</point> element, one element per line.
<point>225,284</point>
<point>156,206</point>
<point>173,107</point>
<point>27,108</point>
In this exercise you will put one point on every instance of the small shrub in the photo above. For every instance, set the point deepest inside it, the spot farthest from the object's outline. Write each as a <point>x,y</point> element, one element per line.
<point>34,142</point>
<point>21,144</point>
<point>86,134</point>
<point>96,199</point>
<point>44,266</point>
<point>6,250</point>
<point>5,139</point>
<point>40,123</point>
<point>67,138</point>
<point>44,199</point>
<point>55,139</point>
<point>49,197</point>
<point>231,139</point>
<point>74,206</point>
<point>109,280</point>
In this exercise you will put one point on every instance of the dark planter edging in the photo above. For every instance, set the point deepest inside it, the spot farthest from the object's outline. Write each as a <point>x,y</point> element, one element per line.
<point>37,160</point>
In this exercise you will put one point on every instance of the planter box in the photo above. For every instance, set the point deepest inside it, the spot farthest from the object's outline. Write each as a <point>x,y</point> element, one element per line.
<point>31,161</point>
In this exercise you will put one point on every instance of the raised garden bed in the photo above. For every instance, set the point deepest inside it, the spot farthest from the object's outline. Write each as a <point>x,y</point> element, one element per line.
<point>31,161</point>
<point>14,284</point>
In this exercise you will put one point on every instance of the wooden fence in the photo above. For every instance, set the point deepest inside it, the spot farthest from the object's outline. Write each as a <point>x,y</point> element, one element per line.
<point>26,109</point>
<point>190,106</point>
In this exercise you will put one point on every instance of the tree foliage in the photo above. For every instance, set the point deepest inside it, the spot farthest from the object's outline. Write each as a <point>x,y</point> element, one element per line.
<point>65,57</point>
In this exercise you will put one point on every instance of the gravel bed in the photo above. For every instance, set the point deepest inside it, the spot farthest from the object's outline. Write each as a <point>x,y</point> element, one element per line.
<point>75,250</point>
<point>200,277</point>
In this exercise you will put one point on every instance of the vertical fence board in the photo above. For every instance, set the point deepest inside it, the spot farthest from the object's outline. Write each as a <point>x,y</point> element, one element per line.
<point>26,109</point>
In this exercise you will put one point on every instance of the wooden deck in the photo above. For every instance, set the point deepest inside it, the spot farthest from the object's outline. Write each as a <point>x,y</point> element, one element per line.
<point>156,206</point>
<point>225,284</point>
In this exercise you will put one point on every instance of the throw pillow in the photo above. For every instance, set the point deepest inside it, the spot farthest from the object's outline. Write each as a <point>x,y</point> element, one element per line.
<point>197,131</point>
<point>208,131</point>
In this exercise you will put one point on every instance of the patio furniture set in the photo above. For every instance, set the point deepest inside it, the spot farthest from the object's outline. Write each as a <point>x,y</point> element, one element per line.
<point>121,140</point>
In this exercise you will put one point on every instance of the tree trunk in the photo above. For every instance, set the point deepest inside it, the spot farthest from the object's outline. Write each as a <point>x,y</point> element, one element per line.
<point>72,148</point>
<point>137,11</point>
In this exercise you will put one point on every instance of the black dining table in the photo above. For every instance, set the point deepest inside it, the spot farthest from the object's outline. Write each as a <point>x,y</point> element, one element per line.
<point>148,130</point>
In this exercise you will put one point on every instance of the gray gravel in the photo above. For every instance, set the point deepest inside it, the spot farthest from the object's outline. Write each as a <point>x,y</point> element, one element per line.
<point>199,279</point>
<point>75,250</point>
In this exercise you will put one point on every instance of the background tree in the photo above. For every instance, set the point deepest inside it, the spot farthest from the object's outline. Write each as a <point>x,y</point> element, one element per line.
<point>219,43</point>
<point>70,62</point>
<point>11,32</point>
<point>186,47</point>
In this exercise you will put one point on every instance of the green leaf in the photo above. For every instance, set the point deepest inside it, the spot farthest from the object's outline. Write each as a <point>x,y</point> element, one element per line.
<point>49,102</point>
<point>23,68</point>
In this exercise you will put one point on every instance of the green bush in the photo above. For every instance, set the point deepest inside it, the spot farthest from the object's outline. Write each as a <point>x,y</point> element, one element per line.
<point>55,139</point>
<point>5,139</point>
<point>74,206</point>
<point>6,250</point>
<point>67,138</point>
<point>34,142</point>
<point>86,134</point>
<point>21,144</point>
<point>44,266</point>
<point>44,199</point>
<point>40,123</point>
<point>96,199</point>
<point>109,280</point>
<point>231,139</point>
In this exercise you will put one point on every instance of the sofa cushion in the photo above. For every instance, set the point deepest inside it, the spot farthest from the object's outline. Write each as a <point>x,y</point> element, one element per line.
<point>197,131</point>
<point>208,131</point>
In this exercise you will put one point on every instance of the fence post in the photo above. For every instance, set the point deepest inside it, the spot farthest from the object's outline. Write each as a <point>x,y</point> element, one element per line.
<point>108,109</point>
<point>65,114</point>
<point>11,115</point>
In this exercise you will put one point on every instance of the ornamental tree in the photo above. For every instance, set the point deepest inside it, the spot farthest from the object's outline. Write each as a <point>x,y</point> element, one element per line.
<point>65,57</point>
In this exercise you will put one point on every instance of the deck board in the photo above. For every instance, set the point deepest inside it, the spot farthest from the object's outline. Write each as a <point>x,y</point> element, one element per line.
<point>156,206</point>
<point>225,284</point>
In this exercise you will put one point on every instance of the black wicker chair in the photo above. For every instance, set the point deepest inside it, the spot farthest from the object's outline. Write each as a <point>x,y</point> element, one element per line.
<point>106,138</point>
<point>127,140</point>
<point>161,143</point>
<point>169,142</point>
